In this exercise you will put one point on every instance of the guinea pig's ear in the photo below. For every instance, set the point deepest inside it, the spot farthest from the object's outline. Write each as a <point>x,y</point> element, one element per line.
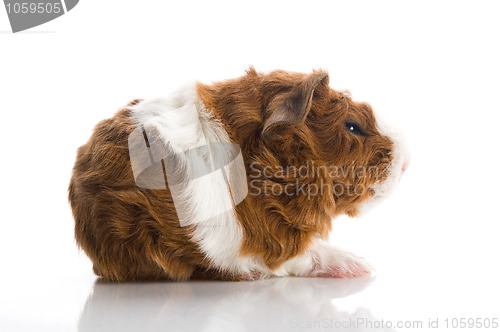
<point>291,108</point>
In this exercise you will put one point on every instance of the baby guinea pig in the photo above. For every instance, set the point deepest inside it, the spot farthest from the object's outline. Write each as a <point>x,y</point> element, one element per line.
<point>237,180</point>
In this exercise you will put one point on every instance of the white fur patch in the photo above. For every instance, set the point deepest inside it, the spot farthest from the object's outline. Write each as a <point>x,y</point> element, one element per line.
<point>324,260</point>
<point>189,131</point>
<point>400,157</point>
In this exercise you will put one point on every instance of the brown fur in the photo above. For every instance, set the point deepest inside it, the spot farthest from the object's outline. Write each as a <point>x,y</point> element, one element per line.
<point>280,119</point>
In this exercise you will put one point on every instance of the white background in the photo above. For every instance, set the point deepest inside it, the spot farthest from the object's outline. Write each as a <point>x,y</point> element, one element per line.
<point>430,67</point>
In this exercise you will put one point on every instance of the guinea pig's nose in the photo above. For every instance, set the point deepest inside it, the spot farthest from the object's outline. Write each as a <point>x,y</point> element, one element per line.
<point>405,166</point>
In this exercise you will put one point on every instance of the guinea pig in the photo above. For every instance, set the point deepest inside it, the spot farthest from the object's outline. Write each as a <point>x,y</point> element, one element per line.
<point>235,180</point>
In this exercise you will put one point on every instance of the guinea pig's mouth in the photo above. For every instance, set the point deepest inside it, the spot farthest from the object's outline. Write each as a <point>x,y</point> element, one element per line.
<point>352,212</point>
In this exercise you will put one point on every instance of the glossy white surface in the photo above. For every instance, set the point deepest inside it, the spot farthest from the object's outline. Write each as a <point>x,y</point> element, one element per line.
<point>430,68</point>
<point>383,303</point>
<point>276,304</point>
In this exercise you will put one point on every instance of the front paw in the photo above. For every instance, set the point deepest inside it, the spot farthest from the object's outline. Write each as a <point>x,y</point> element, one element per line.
<point>340,264</point>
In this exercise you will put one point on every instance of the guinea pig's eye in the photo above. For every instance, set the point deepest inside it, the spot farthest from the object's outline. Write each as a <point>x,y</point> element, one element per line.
<point>354,128</point>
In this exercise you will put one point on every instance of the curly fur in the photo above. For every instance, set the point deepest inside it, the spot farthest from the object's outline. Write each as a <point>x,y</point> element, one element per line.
<point>284,122</point>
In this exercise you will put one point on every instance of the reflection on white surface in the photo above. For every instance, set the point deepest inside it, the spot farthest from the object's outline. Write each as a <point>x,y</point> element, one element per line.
<point>282,304</point>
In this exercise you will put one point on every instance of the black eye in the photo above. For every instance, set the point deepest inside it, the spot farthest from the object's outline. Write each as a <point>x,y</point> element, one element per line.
<point>354,128</point>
